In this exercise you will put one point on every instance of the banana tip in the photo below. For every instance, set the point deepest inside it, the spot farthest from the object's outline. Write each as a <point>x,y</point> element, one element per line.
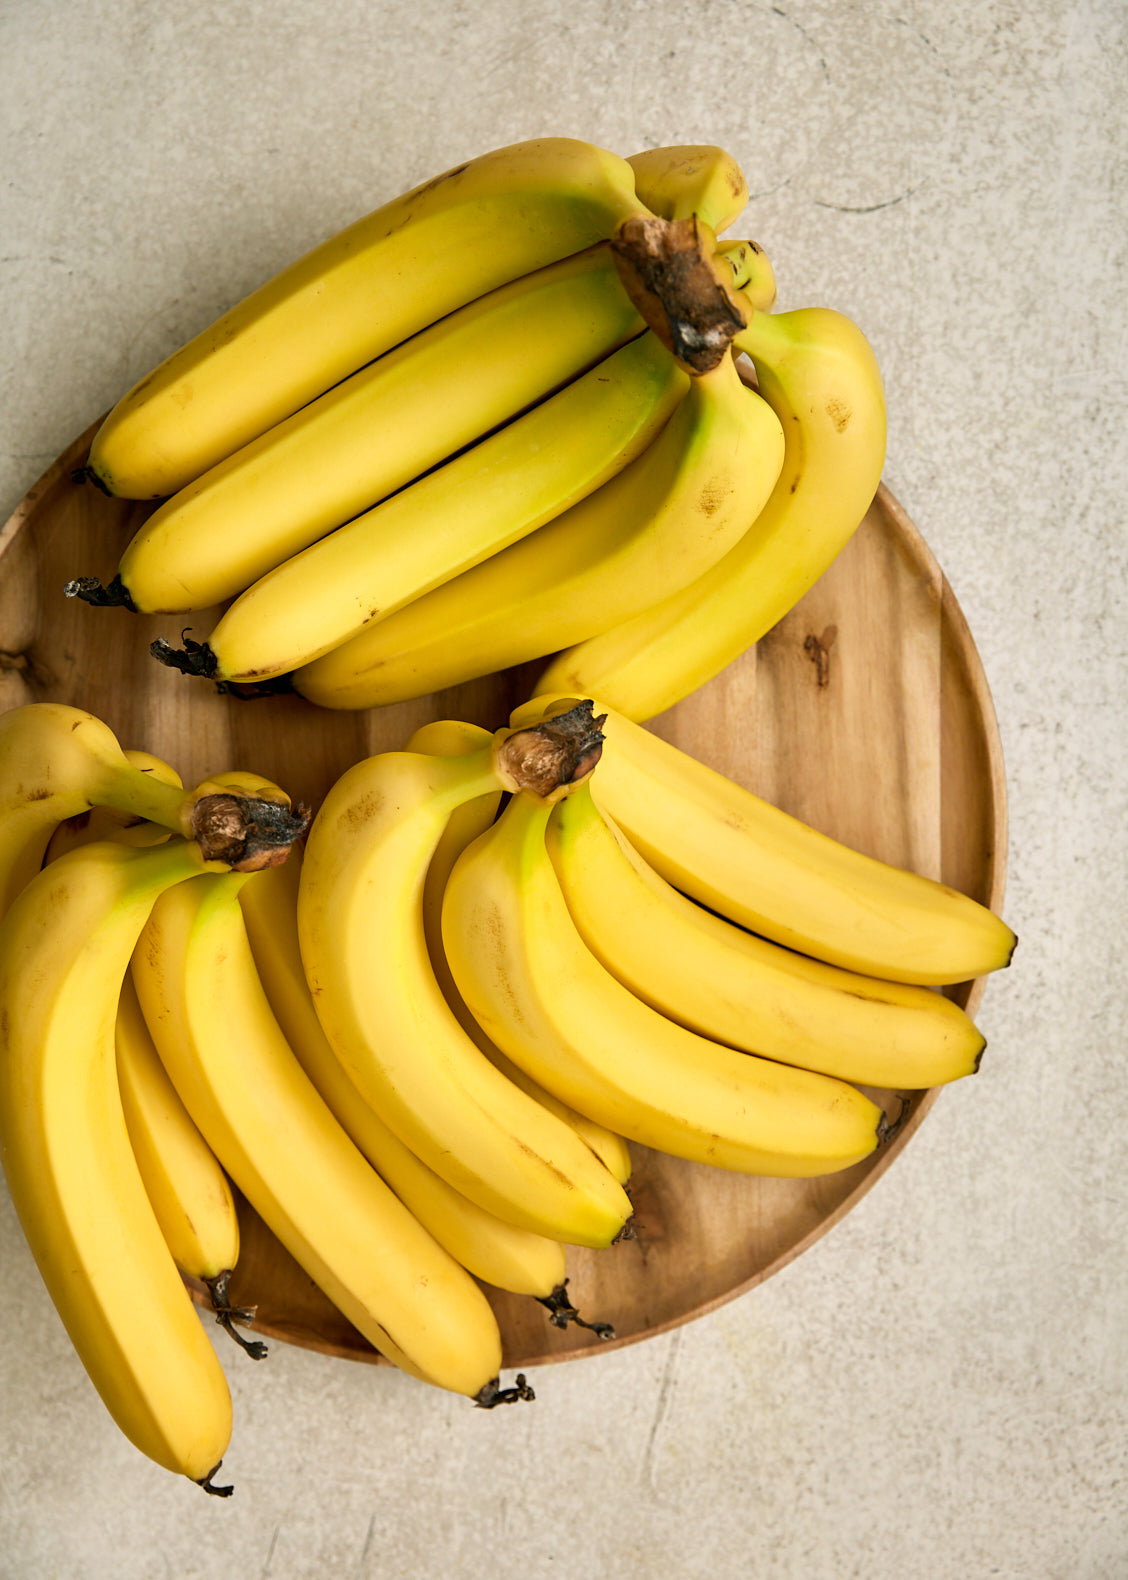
<point>491,1394</point>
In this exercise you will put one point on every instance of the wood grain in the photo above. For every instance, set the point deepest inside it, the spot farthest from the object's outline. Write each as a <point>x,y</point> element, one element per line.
<point>865,712</point>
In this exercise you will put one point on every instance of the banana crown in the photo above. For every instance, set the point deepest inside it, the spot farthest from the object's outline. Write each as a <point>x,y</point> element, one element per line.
<point>553,755</point>
<point>690,300</point>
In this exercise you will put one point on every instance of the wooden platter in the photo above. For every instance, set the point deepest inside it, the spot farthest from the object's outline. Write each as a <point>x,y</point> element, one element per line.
<point>865,712</point>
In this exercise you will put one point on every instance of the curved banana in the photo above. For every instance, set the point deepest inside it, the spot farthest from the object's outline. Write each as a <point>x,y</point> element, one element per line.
<point>818,372</point>
<point>728,984</point>
<point>688,179</point>
<point>188,1189</point>
<point>353,297</point>
<point>543,996</point>
<point>499,1253</point>
<point>492,494</point>
<point>360,921</point>
<point>376,431</point>
<point>453,738</point>
<point>647,532</point>
<point>57,762</point>
<point>65,946</point>
<point>767,871</point>
<point>201,997</point>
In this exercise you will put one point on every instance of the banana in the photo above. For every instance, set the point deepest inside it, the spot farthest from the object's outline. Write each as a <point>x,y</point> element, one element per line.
<point>360,921</point>
<point>189,1192</point>
<point>818,372</point>
<point>57,762</point>
<point>542,996</point>
<point>202,998</point>
<point>65,947</point>
<point>688,179</point>
<point>353,297</point>
<point>724,982</point>
<point>646,533</point>
<point>498,1253</point>
<point>452,738</point>
<point>497,491</point>
<point>769,872</point>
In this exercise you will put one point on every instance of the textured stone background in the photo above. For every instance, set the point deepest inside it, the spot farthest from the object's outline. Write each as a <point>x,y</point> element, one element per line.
<point>937,1389</point>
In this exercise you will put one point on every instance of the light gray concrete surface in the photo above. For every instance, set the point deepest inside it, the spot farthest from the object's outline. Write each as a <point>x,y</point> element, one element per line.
<point>939,1388</point>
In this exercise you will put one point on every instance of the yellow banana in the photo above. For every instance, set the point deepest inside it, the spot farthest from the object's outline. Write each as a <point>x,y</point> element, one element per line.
<point>542,995</point>
<point>404,266</point>
<point>502,488</point>
<point>818,372</point>
<point>202,998</point>
<point>646,533</point>
<point>360,920</point>
<point>452,738</point>
<point>56,762</point>
<point>688,179</point>
<point>767,871</point>
<point>724,982</point>
<point>189,1192</point>
<point>65,946</point>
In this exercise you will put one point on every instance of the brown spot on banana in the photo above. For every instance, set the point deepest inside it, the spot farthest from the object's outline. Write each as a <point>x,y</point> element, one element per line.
<point>840,413</point>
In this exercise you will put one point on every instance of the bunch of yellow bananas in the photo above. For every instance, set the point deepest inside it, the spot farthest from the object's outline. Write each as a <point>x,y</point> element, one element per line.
<point>501,418</point>
<point>159,1042</point>
<point>506,417</point>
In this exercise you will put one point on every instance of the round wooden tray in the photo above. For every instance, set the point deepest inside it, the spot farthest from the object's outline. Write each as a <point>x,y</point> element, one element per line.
<point>865,712</point>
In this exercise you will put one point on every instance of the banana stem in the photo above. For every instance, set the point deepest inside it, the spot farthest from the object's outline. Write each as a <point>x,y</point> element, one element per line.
<point>669,271</point>
<point>114,595</point>
<point>561,1312</point>
<point>228,1315</point>
<point>551,757</point>
<point>246,832</point>
<point>492,1394</point>
<point>208,1483</point>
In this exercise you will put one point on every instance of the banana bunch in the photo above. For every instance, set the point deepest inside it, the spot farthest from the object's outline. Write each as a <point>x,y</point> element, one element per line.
<point>116,1191</point>
<point>532,410</point>
<point>150,930</point>
<point>541,422</point>
<point>699,972</point>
